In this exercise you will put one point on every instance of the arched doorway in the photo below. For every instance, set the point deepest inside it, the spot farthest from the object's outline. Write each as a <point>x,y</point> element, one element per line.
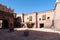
<point>30,25</point>
<point>5,24</point>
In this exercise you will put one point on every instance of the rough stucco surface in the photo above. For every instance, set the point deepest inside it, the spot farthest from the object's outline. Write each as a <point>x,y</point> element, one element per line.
<point>47,22</point>
<point>57,16</point>
<point>26,18</point>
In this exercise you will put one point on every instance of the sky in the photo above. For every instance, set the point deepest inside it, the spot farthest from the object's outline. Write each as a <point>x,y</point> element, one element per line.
<point>28,6</point>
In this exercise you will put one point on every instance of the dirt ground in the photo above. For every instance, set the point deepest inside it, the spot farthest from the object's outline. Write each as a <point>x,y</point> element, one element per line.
<point>33,35</point>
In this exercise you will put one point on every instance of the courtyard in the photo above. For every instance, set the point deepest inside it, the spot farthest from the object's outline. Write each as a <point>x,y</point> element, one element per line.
<point>34,34</point>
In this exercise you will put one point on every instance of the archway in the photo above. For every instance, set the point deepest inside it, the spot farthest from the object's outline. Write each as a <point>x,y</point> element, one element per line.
<point>5,24</point>
<point>30,25</point>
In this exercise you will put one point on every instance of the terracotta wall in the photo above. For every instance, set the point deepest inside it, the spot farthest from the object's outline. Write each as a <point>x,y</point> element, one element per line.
<point>4,8</point>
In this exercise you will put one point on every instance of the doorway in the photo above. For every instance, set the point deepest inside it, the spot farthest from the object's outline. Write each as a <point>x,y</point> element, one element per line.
<point>41,25</point>
<point>5,24</point>
<point>30,25</point>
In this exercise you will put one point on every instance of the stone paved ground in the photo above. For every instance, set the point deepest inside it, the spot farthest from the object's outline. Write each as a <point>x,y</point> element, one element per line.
<point>33,35</point>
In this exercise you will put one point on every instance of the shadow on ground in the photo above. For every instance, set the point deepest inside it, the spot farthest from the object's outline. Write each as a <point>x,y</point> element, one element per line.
<point>33,35</point>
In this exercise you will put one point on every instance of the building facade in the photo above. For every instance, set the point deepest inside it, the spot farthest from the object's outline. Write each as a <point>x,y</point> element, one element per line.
<point>7,17</point>
<point>38,19</point>
<point>45,19</point>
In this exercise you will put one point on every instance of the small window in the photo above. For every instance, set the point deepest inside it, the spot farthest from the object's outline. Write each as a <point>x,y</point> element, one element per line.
<point>48,17</point>
<point>44,17</point>
<point>39,18</point>
<point>30,18</point>
<point>27,18</point>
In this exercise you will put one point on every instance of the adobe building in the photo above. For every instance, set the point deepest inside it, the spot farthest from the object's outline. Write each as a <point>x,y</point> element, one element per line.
<point>7,17</point>
<point>44,19</point>
<point>30,19</point>
<point>37,19</point>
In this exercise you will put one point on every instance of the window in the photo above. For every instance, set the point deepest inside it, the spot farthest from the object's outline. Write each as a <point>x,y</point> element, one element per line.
<point>39,18</point>
<point>44,17</point>
<point>30,18</point>
<point>27,18</point>
<point>48,17</point>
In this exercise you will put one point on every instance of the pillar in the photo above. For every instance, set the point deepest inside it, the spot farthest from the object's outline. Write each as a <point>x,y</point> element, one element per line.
<point>57,15</point>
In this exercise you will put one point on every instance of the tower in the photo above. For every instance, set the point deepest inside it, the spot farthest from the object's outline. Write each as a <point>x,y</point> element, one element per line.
<point>57,15</point>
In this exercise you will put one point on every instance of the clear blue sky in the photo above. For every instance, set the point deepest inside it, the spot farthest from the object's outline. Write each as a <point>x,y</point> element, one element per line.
<point>28,6</point>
